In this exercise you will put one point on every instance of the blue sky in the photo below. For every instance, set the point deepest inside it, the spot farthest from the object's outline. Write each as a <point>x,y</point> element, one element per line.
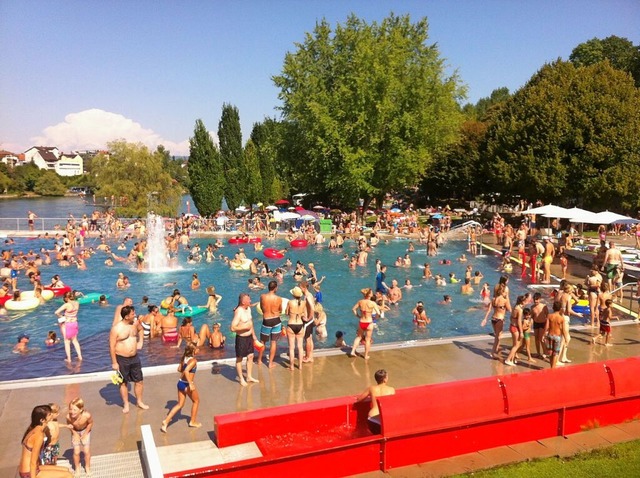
<point>76,74</point>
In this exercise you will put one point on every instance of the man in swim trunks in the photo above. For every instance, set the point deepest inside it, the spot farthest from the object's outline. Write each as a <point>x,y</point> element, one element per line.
<point>271,305</point>
<point>556,333</point>
<point>612,263</point>
<point>539,314</point>
<point>125,339</point>
<point>379,390</point>
<point>242,325</point>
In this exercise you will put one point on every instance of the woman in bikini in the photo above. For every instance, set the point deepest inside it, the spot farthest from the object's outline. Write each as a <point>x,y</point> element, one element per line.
<point>593,283</point>
<point>213,300</point>
<point>32,442</point>
<point>68,320</point>
<point>186,387</point>
<point>296,311</point>
<point>364,310</point>
<point>515,327</point>
<point>169,325</point>
<point>499,307</point>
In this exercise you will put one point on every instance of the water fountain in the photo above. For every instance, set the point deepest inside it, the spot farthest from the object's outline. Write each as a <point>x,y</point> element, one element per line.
<point>156,255</point>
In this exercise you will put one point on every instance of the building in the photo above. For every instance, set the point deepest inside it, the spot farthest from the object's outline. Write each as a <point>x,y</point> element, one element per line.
<point>51,159</point>
<point>11,159</point>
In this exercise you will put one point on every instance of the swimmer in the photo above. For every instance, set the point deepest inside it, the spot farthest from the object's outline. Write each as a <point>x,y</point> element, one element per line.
<point>52,339</point>
<point>440,280</point>
<point>452,278</point>
<point>462,258</point>
<point>340,339</point>
<point>21,346</point>
<point>420,316</point>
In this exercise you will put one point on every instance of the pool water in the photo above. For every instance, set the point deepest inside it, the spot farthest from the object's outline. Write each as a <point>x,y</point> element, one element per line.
<point>340,290</point>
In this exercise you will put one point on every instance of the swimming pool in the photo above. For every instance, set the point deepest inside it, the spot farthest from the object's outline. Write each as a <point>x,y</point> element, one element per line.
<point>340,292</point>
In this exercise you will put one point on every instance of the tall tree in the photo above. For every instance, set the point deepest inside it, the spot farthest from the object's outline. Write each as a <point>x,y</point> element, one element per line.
<point>571,134</point>
<point>135,178</point>
<point>265,137</point>
<point>621,53</point>
<point>371,102</point>
<point>253,186</point>
<point>233,167</point>
<point>205,172</point>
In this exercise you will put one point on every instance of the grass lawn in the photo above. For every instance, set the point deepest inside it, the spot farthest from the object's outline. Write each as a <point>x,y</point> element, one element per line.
<point>617,461</point>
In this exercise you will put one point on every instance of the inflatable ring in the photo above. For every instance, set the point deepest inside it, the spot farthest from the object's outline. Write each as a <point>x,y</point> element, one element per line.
<point>243,266</point>
<point>238,240</point>
<point>25,304</point>
<point>255,240</point>
<point>29,294</point>
<point>271,253</point>
<point>581,307</point>
<point>5,298</point>
<point>90,298</point>
<point>59,291</point>
<point>299,243</point>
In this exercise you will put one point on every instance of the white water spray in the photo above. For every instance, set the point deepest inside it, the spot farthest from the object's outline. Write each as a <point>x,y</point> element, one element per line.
<point>156,255</point>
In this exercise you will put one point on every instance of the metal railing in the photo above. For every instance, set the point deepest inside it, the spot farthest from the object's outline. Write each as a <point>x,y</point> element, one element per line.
<point>631,298</point>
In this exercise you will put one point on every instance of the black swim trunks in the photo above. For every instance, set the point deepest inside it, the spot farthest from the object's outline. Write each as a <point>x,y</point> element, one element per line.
<point>130,368</point>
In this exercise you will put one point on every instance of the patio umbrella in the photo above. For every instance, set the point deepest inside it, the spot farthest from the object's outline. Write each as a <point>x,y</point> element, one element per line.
<point>271,208</point>
<point>289,215</point>
<point>318,206</point>
<point>548,210</point>
<point>308,217</point>
<point>395,209</point>
<point>567,213</point>
<point>586,217</point>
<point>281,202</point>
<point>608,217</point>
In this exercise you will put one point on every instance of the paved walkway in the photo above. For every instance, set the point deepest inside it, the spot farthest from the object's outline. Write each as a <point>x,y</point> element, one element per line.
<point>332,374</point>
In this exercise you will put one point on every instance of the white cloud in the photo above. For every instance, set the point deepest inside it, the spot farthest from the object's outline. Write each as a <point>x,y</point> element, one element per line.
<point>94,128</point>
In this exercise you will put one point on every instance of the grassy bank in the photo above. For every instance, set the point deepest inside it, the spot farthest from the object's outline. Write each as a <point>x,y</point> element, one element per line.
<point>617,461</point>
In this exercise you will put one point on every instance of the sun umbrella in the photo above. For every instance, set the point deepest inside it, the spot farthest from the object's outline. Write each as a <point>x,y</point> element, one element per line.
<point>548,210</point>
<point>308,217</point>
<point>586,217</point>
<point>289,215</point>
<point>271,208</point>
<point>318,206</point>
<point>607,217</point>
<point>281,202</point>
<point>395,209</point>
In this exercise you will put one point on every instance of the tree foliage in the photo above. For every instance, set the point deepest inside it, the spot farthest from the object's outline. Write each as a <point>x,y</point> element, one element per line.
<point>135,177</point>
<point>233,167</point>
<point>369,104</point>
<point>49,184</point>
<point>621,53</point>
<point>266,139</point>
<point>572,134</point>
<point>205,172</point>
<point>253,186</point>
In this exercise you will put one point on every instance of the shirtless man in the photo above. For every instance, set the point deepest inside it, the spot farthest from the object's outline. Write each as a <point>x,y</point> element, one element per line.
<point>539,314</point>
<point>125,339</point>
<point>379,390</point>
<point>556,333</point>
<point>466,287</point>
<point>612,263</point>
<point>310,301</point>
<point>242,325</point>
<point>547,259</point>
<point>271,305</point>
<point>394,292</point>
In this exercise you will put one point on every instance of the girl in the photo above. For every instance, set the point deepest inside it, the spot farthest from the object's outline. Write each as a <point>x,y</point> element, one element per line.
<point>80,422</point>
<point>499,306</point>
<point>68,320</point>
<point>195,282</point>
<point>187,332</point>
<point>213,300</point>
<point>186,387</point>
<point>32,441</point>
<point>320,320</point>
<point>364,310</point>
<point>515,327</point>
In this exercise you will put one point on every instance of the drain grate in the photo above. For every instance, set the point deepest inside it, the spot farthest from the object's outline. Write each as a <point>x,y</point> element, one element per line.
<point>115,465</point>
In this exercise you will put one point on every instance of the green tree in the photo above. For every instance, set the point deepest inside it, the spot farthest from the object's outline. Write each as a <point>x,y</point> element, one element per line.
<point>265,136</point>
<point>205,172</point>
<point>6,183</point>
<point>621,53</point>
<point>372,103</point>
<point>49,184</point>
<point>136,179</point>
<point>455,171</point>
<point>253,186</point>
<point>571,134</point>
<point>234,170</point>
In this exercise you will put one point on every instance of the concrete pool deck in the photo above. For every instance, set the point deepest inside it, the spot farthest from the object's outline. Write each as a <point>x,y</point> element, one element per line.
<point>116,436</point>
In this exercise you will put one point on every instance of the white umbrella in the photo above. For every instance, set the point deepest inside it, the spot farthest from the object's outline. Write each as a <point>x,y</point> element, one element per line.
<point>586,217</point>
<point>289,215</point>
<point>318,206</point>
<point>607,217</point>
<point>308,217</point>
<point>271,208</point>
<point>548,210</point>
<point>568,213</point>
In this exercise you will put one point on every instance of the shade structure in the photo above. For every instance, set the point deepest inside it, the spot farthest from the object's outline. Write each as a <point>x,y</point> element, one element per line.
<point>608,217</point>
<point>271,208</point>
<point>548,210</point>
<point>568,213</point>
<point>319,206</point>
<point>586,217</point>
<point>307,217</point>
<point>288,215</point>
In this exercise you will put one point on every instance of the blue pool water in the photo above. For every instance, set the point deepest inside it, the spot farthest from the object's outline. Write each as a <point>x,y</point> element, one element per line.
<point>340,292</point>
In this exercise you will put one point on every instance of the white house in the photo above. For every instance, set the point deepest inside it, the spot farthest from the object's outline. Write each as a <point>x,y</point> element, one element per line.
<point>69,164</point>
<point>50,158</point>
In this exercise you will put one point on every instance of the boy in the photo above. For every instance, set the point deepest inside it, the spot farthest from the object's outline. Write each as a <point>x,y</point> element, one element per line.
<point>606,315</point>
<point>80,422</point>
